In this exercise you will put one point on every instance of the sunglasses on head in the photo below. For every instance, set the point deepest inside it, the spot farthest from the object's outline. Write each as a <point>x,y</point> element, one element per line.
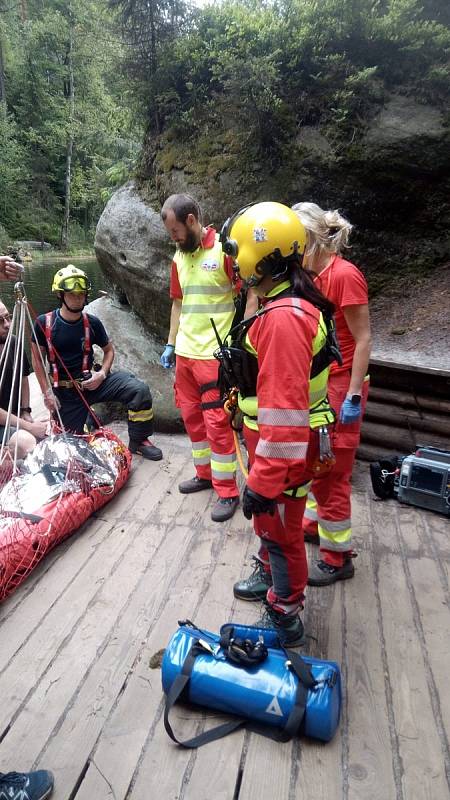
<point>75,284</point>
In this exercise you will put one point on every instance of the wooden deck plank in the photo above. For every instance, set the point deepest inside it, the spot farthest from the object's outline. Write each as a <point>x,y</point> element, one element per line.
<point>74,739</point>
<point>195,561</point>
<point>370,770</point>
<point>419,757</point>
<point>219,779</point>
<point>83,545</point>
<point>80,696</point>
<point>42,648</point>
<point>61,682</point>
<point>50,582</point>
<point>286,774</point>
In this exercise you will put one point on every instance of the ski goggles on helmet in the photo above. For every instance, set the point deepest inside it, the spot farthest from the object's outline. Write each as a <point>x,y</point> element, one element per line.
<point>76,283</point>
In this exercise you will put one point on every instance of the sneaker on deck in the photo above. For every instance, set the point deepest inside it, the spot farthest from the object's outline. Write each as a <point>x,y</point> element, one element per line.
<point>26,785</point>
<point>194,484</point>
<point>146,449</point>
<point>255,587</point>
<point>224,508</point>
<point>323,574</point>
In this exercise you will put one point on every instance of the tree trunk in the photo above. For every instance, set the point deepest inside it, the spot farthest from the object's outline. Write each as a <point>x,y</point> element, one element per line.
<point>2,80</point>
<point>69,151</point>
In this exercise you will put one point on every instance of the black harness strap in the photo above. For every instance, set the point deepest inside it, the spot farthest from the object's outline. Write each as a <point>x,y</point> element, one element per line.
<point>206,387</point>
<point>293,724</point>
<point>212,404</point>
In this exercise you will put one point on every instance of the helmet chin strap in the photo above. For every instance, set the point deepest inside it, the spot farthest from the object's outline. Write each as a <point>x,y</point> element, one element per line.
<point>72,310</point>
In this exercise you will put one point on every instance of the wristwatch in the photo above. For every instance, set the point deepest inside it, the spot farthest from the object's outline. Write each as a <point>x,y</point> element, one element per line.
<point>25,410</point>
<point>355,399</point>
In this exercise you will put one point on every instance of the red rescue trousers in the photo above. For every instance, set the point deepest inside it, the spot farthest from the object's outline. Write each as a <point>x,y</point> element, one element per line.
<point>206,423</point>
<point>282,548</point>
<point>328,510</point>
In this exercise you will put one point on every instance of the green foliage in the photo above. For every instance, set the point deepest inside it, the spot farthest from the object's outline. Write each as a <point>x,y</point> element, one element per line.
<point>264,70</point>
<point>39,49</point>
<point>13,177</point>
<point>234,82</point>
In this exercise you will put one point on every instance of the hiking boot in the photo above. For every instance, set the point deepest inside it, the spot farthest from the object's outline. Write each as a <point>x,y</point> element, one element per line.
<point>289,627</point>
<point>146,449</point>
<point>26,785</point>
<point>224,508</point>
<point>254,587</point>
<point>323,574</point>
<point>195,484</point>
<point>312,538</point>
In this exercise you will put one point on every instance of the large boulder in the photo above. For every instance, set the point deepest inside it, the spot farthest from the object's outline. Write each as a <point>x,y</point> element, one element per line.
<point>138,352</point>
<point>134,252</point>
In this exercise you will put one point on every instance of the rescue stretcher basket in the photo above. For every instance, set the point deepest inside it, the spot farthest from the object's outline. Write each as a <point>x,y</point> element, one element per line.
<point>280,695</point>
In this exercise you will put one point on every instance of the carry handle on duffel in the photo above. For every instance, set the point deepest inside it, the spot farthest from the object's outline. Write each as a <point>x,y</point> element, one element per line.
<point>299,667</point>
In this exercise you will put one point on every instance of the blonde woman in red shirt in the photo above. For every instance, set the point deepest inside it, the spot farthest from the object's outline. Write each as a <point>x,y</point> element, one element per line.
<point>329,523</point>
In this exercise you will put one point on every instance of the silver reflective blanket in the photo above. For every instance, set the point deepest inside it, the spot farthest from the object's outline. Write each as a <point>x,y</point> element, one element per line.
<point>60,464</point>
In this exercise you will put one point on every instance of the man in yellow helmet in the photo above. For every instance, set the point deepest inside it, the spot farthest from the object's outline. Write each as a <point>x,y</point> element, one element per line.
<point>201,288</point>
<point>65,338</point>
<point>290,339</point>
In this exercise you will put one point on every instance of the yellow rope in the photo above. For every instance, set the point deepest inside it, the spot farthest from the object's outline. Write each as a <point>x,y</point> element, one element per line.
<point>230,406</point>
<point>239,454</point>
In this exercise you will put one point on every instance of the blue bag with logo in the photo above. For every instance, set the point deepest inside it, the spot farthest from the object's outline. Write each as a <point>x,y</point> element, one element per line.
<point>245,671</point>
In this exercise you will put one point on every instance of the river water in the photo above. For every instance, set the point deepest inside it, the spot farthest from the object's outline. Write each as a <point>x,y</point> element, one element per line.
<point>38,279</point>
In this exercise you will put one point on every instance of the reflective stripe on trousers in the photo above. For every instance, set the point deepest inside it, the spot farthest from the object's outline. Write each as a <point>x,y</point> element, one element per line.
<point>209,428</point>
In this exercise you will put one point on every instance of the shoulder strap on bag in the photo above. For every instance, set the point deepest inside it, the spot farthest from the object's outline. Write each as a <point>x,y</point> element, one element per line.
<point>177,688</point>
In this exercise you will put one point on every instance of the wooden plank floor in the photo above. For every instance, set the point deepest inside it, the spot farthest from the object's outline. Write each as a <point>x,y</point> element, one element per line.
<point>80,695</point>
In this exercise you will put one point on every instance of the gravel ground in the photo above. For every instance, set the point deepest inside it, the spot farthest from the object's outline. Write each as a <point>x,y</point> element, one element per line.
<point>411,322</point>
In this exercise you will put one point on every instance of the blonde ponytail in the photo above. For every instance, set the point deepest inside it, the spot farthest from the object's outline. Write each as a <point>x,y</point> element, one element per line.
<point>328,231</point>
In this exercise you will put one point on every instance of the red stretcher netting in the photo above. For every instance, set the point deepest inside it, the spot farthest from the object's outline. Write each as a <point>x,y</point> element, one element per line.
<point>80,473</point>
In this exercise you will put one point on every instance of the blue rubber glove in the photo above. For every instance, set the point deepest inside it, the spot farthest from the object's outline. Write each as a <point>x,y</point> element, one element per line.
<point>350,412</point>
<point>168,357</point>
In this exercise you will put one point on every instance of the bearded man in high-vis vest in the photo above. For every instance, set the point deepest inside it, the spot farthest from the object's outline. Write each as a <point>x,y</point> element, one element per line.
<point>201,288</point>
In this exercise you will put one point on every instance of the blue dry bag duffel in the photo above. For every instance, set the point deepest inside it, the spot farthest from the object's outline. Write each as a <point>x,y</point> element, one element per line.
<point>244,671</point>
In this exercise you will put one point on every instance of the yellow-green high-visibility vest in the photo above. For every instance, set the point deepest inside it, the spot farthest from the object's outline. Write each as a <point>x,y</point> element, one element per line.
<point>207,292</point>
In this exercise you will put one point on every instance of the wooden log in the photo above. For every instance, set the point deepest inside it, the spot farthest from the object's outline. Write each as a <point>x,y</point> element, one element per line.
<point>426,423</point>
<point>373,452</point>
<point>404,399</point>
<point>400,439</point>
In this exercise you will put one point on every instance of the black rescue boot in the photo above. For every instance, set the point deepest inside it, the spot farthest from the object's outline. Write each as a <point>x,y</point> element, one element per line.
<point>224,508</point>
<point>146,449</point>
<point>254,587</point>
<point>194,484</point>
<point>323,574</point>
<point>289,627</point>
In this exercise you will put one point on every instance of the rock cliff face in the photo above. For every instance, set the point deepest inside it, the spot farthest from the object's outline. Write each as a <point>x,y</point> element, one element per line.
<point>392,180</point>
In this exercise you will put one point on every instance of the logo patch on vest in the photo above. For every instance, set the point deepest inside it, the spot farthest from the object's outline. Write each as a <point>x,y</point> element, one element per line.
<point>210,265</point>
<point>274,708</point>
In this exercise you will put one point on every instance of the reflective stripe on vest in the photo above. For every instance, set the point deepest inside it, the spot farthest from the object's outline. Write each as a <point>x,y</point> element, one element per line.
<point>51,350</point>
<point>207,292</point>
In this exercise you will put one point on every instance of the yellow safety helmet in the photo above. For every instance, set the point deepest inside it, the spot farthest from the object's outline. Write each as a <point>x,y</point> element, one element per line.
<point>263,238</point>
<point>71,279</point>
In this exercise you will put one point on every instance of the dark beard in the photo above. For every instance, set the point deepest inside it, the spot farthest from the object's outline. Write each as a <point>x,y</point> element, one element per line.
<point>190,244</point>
